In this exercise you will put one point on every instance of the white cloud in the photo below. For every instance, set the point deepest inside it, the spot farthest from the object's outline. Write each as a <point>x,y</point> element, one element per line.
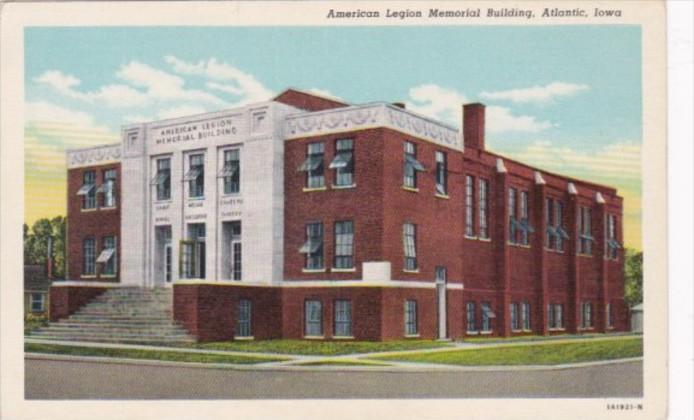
<point>47,112</point>
<point>180,111</point>
<point>225,78</point>
<point>446,104</point>
<point>536,94</point>
<point>63,83</point>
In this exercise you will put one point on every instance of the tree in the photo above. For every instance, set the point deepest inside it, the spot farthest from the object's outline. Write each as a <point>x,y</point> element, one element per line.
<point>36,243</point>
<point>633,276</point>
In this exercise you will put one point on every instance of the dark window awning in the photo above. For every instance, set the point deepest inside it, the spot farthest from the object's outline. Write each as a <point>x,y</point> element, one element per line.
<point>412,161</point>
<point>311,163</point>
<point>192,174</point>
<point>86,189</point>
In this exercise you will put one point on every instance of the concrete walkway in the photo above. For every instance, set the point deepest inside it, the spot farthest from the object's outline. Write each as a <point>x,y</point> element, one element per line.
<point>300,361</point>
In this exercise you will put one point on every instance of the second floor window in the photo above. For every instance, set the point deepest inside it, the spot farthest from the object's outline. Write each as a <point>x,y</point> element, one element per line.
<point>231,171</point>
<point>519,220</point>
<point>313,247</point>
<point>162,180</point>
<point>108,188</point>
<point>484,208</point>
<point>313,165</point>
<point>611,245</point>
<point>409,240</point>
<point>555,234</point>
<point>344,244</point>
<point>469,206</point>
<point>411,166</point>
<point>343,164</point>
<point>196,176</point>
<point>441,174</point>
<point>88,190</point>
<point>585,245</point>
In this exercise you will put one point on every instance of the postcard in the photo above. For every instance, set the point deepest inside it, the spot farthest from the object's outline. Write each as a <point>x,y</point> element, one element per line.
<point>347,209</point>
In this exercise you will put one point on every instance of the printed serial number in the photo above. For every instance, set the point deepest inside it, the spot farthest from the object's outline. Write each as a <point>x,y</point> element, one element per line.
<point>624,407</point>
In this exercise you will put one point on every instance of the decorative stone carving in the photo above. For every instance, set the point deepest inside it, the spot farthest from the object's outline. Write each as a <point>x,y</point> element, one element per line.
<point>374,115</point>
<point>93,156</point>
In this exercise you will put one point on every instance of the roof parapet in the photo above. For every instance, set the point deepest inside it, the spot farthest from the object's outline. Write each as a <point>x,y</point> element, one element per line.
<point>572,189</point>
<point>500,167</point>
<point>599,198</point>
<point>539,180</point>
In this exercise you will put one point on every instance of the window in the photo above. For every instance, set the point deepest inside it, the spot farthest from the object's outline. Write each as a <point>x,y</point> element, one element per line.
<point>487,316</point>
<point>555,317</point>
<point>471,322</point>
<point>525,316</point>
<point>38,303</point>
<point>88,190</point>
<point>162,179</point>
<point>411,166</point>
<point>196,176</point>
<point>343,318</point>
<point>483,208</point>
<point>584,228</point>
<point>409,240</point>
<point>525,228</point>
<point>609,315</point>
<point>512,222</point>
<point>411,317</point>
<point>441,174</point>
<point>231,171</point>
<point>313,316</point>
<point>313,165</point>
<point>243,319</point>
<point>611,244</point>
<point>469,206</point>
<point>518,214</point>
<point>187,259</point>
<point>515,319</point>
<point>587,315</point>
<point>555,233</point>
<point>89,256</point>
<point>236,250</point>
<point>109,188</point>
<point>108,256</point>
<point>343,164</point>
<point>344,244</point>
<point>192,252</point>
<point>313,247</point>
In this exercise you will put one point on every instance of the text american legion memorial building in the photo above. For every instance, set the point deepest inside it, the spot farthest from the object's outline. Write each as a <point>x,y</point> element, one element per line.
<point>307,217</point>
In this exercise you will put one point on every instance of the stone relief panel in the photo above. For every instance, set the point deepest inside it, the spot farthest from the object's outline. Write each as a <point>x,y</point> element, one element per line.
<point>94,156</point>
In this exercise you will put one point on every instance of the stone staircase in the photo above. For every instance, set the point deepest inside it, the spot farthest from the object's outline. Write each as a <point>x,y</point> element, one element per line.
<point>121,315</point>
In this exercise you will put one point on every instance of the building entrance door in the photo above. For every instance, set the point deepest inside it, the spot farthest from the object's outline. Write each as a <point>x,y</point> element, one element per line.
<point>162,256</point>
<point>441,301</point>
<point>236,250</point>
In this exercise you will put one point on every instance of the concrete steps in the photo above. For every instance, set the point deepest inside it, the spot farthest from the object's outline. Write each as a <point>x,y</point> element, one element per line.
<point>123,315</point>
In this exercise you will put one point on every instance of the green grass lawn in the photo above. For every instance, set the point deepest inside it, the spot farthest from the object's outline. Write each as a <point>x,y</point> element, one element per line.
<point>320,348</point>
<point>540,354</point>
<point>523,338</point>
<point>163,355</point>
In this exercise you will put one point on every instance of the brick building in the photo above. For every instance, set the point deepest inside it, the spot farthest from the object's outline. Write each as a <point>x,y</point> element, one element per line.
<point>305,217</point>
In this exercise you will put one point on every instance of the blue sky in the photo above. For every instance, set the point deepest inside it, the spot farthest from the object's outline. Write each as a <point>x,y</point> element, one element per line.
<point>566,98</point>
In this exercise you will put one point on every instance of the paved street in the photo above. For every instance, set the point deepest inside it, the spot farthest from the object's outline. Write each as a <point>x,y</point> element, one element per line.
<point>53,379</point>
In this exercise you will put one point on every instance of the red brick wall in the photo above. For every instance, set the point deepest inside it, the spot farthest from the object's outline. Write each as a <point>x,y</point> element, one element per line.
<point>97,223</point>
<point>209,311</point>
<point>307,101</point>
<point>66,300</point>
<point>362,204</point>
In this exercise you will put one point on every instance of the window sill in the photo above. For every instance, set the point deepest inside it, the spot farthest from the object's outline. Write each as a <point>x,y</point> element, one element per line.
<point>244,338</point>
<point>554,250</point>
<point>557,329</point>
<point>586,328</point>
<point>518,245</point>
<point>343,270</point>
<point>526,330</point>
<point>343,187</point>
<point>343,337</point>
<point>88,210</point>
<point>313,270</point>
<point>410,189</point>
<point>163,201</point>
<point>486,332</point>
<point>412,335</point>
<point>109,276</point>
<point>314,337</point>
<point>443,196</point>
<point>516,331</point>
<point>231,194</point>
<point>108,208</point>
<point>472,332</point>
<point>196,198</point>
<point>584,255</point>
<point>472,238</point>
<point>305,189</point>
<point>411,271</point>
<point>87,276</point>
<point>484,239</point>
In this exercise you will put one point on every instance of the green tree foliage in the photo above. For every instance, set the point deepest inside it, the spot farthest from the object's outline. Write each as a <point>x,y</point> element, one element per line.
<point>36,243</point>
<point>633,276</point>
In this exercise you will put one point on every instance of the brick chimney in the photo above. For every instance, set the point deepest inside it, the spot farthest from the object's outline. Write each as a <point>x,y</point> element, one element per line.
<point>473,126</point>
